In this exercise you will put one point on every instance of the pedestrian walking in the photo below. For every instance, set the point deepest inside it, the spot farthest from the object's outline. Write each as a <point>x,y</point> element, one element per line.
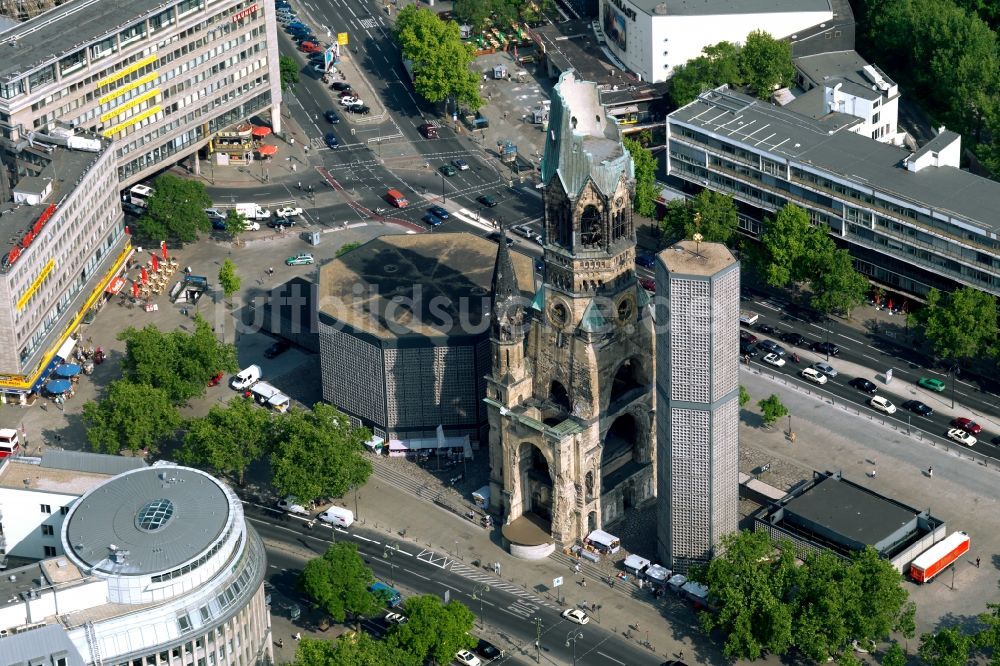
<point>930,472</point>
<point>977,562</point>
<point>612,583</point>
<point>874,473</point>
<point>45,405</point>
<point>576,567</point>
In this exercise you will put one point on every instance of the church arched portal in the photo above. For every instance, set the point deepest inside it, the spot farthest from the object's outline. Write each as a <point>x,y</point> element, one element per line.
<point>621,452</point>
<point>536,481</point>
<point>627,378</point>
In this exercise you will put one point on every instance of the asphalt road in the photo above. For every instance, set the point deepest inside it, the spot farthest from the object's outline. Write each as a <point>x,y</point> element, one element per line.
<point>504,608</point>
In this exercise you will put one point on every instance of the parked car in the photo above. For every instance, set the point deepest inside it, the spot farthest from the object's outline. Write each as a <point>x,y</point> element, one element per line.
<point>395,618</point>
<point>331,140</point>
<point>495,237</point>
<point>772,346</point>
<point>462,165</point>
<point>826,369</point>
<point>918,408</point>
<point>748,349</point>
<point>438,211</point>
<point>487,200</point>
<point>747,336</point>
<point>826,348</point>
<point>576,615</point>
<point>814,375</point>
<point>648,283</point>
<point>794,339</point>
<point>466,658</point>
<point>645,260</point>
<point>331,117</point>
<point>341,86</point>
<point>774,359</point>
<point>448,170</point>
<point>291,505</point>
<point>882,404</point>
<point>279,347</point>
<point>360,109</point>
<point>288,211</point>
<point>276,222</point>
<point>931,384</point>
<point>303,259</point>
<point>768,330</point>
<point>962,437</point>
<point>968,425</point>
<point>351,100</point>
<point>863,385</point>
<point>432,220</point>
<point>487,650</point>
<point>523,230</point>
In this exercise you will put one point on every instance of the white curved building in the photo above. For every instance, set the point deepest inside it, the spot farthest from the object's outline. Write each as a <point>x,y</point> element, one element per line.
<point>160,567</point>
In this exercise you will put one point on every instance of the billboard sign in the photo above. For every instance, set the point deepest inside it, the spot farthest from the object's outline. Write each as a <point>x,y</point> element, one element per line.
<point>614,27</point>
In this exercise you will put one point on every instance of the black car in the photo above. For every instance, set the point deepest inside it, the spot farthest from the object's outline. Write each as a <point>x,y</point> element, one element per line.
<point>773,347</point>
<point>487,650</point>
<point>918,408</point>
<point>826,348</point>
<point>340,86</point>
<point>863,385</point>
<point>645,260</point>
<point>332,117</point>
<point>331,140</point>
<point>768,330</point>
<point>748,337</point>
<point>278,348</point>
<point>495,237</point>
<point>794,339</point>
<point>131,209</point>
<point>747,349</point>
<point>359,109</point>
<point>487,200</point>
<point>276,222</point>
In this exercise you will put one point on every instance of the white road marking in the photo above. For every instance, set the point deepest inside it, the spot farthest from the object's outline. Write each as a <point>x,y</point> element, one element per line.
<point>415,573</point>
<point>769,306</point>
<point>607,656</point>
<point>851,339</point>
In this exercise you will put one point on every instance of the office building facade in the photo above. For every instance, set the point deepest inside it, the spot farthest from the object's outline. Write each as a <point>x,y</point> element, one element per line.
<point>697,401</point>
<point>912,220</point>
<point>157,78</point>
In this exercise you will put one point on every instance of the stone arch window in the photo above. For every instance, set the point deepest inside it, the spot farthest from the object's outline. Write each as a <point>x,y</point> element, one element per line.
<point>591,231</point>
<point>562,226</point>
<point>618,225</point>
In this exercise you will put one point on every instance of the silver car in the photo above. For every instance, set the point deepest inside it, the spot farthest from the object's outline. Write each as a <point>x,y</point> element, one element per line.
<point>825,368</point>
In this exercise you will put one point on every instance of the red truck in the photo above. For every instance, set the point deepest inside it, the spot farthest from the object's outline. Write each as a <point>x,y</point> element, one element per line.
<point>936,559</point>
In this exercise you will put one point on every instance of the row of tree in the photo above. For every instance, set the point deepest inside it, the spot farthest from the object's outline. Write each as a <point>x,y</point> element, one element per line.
<point>960,325</point>
<point>478,14</point>
<point>947,56</point>
<point>439,59</point>
<point>339,583</point>
<point>313,453</point>
<point>760,65</point>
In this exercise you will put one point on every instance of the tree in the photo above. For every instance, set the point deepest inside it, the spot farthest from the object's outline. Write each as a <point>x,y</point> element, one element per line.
<point>440,59</point>
<point>771,409</point>
<point>766,63</point>
<point>713,216</point>
<point>894,656</point>
<point>673,226</point>
<point>960,325</point>
<point>235,222</point>
<point>178,362</point>
<point>838,287</point>
<point>644,201</point>
<point>130,416</point>
<point>288,70</point>
<point>476,13</point>
<point>718,65</point>
<point>434,630</point>
<point>228,278</point>
<point>228,439</point>
<point>784,244</point>
<point>338,583</point>
<point>176,210</point>
<point>351,649</point>
<point>319,453</point>
<point>750,581</point>
<point>744,396</point>
<point>947,647</point>
<point>347,247</point>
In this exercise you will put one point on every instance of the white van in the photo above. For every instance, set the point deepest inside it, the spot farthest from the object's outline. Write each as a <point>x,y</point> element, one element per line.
<point>246,378</point>
<point>337,516</point>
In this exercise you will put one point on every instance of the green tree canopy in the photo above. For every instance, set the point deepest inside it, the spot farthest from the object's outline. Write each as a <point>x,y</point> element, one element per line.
<point>894,656</point>
<point>959,325</point>
<point>228,279</point>
<point>837,287</point>
<point>712,214</point>
<point>236,222</point>
<point>785,246</point>
<point>130,416</point>
<point>176,210</point>
<point>476,13</point>
<point>338,583</point>
<point>947,647</point>
<point>644,200</point>
<point>766,63</point>
<point>347,247</point>
<point>771,409</point>
<point>288,70</point>
<point>434,630</point>
<point>351,649</point>
<point>718,65</point>
<point>319,453</point>
<point>228,439</point>
<point>744,396</point>
<point>440,59</point>
<point>179,363</point>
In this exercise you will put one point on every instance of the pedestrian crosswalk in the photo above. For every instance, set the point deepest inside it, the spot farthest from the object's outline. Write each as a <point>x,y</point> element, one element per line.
<point>527,602</point>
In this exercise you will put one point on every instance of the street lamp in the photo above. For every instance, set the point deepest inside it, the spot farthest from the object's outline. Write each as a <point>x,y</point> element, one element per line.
<point>477,593</point>
<point>389,553</point>
<point>538,638</point>
<point>570,637</point>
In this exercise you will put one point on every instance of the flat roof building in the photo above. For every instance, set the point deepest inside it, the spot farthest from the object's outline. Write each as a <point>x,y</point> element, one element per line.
<point>158,77</point>
<point>834,514</point>
<point>912,220</point>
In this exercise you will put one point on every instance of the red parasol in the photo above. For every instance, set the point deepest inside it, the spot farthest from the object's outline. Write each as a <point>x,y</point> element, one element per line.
<point>888,304</point>
<point>144,275</point>
<point>156,264</point>
<point>163,250</point>
<point>267,149</point>
<point>261,131</point>
<point>135,289</point>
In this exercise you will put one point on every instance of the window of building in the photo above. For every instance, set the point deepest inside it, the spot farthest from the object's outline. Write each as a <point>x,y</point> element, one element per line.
<point>46,508</point>
<point>64,510</point>
<point>184,622</point>
<point>187,6</point>
<point>41,77</point>
<point>73,62</point>
<point>50,551</point>
<point>161,21</point>
<point>132,34</point>
<point>103,48</point>
<point>12,89</point>
<point>48,530</point>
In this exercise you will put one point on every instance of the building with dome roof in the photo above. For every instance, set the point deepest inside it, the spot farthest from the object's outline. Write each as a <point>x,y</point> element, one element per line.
<point>158,566</point>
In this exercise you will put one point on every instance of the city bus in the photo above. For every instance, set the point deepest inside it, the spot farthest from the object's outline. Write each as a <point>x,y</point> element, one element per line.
<point>138,195</point>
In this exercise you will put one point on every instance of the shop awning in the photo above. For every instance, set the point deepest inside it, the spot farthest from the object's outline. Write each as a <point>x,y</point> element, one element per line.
<point>67,371</point>
<point>261,131</point>
<point>267,149</point>
<point>115,285</point>
<point>58,386</point>
<point>66,351</point>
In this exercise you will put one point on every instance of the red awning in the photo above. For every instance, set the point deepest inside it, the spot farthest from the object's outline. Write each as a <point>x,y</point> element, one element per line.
<point>267,149</point>
<point>115,285</point>
<point>261,131</point>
